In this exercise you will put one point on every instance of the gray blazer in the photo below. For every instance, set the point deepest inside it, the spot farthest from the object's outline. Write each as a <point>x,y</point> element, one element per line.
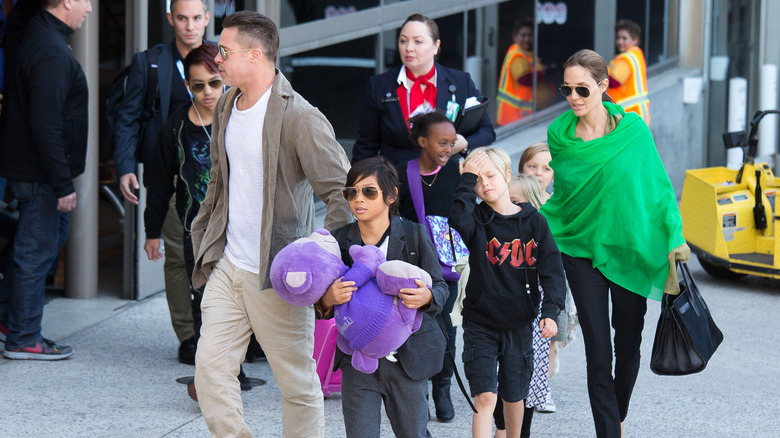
<point>422,354</point>
<point>301,158</point>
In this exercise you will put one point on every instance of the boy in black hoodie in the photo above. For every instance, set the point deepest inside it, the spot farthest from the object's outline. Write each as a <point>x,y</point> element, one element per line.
<point>512,251</point>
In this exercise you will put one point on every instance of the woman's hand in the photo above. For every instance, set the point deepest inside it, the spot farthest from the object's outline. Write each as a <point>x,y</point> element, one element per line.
<point>475,163</point>
<point>339,292</point>
<point>415,298</point>
<point>548,327</point>
<point>460,144</point>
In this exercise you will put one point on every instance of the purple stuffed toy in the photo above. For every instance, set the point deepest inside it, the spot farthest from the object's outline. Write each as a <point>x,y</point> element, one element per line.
<point>302,271</point>
<point>374,323</point>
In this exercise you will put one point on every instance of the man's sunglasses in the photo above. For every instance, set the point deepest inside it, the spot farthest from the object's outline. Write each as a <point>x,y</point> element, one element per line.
<point>200,86</point>
<point>369,192</point>
<point>582,91</point>
<point>223,53</point>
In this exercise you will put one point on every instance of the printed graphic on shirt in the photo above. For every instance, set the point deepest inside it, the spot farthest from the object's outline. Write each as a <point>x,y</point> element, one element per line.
<point>515,251</point>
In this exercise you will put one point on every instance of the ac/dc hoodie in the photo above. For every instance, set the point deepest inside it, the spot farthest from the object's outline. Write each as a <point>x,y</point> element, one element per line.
<point>509,257</point>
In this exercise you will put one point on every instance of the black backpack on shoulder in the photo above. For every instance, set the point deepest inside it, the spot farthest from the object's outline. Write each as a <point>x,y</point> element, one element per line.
<point>118,90</point>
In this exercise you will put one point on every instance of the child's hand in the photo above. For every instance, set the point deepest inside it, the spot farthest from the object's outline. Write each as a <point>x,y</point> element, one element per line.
<point>417,297</point>
<point>548,327</point>
<point>152,248</point>
<point>339,292</point>
<point>475,163</point>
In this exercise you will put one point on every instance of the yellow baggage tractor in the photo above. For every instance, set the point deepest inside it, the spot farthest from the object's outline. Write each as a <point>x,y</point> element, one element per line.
<point>730,219</point>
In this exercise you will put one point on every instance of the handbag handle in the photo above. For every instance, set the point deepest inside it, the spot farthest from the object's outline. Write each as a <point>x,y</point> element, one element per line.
<point>689,283</point>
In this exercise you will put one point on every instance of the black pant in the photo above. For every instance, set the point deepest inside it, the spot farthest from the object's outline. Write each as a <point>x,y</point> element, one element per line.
<point>609,397</point>
<point>443,378</point>
<point>498,417</point>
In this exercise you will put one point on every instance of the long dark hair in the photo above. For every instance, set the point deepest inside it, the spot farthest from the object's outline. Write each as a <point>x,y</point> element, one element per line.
<point>386,178</point>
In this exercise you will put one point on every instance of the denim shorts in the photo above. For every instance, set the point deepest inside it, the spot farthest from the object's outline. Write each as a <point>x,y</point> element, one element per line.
<point>512,350</point>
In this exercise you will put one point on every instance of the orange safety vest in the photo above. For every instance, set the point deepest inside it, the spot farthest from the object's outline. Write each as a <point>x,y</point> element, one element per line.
<point>632,94</point>
<point>515,101</point>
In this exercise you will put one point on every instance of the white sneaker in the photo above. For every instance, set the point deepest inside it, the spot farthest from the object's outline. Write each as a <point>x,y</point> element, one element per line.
<point>549,406</point>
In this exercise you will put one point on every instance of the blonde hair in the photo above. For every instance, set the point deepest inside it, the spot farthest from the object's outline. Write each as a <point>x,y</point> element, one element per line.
<point>530,152</point>
<point>530,187</point>
<point>498,156</point>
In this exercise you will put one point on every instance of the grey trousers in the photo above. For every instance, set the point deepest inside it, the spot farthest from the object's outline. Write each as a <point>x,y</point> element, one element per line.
<point>405,400</point>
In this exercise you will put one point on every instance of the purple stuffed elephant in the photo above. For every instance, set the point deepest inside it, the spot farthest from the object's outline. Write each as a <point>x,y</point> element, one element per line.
<point>302,271</point>
<point>375,323</point>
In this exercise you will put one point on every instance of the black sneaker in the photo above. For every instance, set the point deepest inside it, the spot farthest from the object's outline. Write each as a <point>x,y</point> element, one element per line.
<point>43,350</point>
<point>246,385</point>
<point>187,351</point>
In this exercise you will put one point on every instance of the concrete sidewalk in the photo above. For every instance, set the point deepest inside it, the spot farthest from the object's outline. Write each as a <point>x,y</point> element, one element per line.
<point>121,380</point>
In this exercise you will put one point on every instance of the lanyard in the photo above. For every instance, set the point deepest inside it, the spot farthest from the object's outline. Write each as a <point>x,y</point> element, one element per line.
<point>180,66</point>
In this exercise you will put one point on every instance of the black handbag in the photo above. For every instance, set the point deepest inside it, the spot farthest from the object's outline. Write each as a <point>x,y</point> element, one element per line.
<point>686,336</point>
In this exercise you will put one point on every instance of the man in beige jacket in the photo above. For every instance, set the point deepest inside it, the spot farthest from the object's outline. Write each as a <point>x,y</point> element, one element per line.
<point>270,151</point>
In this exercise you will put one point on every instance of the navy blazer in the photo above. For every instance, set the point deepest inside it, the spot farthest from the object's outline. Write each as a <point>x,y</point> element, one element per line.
<point>129,135</point>
<point>422,354</point>
<point>383,129</point>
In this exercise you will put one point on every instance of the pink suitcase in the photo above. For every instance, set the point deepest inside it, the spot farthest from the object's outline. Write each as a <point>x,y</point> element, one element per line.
<point>325,332</point>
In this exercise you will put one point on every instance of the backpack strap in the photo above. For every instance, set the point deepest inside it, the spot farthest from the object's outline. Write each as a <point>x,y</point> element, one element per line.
<point>412,237</point>
<point>152,91</point>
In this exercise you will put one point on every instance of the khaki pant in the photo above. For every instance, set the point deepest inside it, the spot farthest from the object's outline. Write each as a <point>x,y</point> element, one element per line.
<point>234,306</point>
<point>177,285</point>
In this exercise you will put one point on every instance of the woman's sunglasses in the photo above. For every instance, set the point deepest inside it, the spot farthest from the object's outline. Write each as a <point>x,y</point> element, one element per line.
<point>582,91</point>
<point>369,192</point>
<point>200,86</point>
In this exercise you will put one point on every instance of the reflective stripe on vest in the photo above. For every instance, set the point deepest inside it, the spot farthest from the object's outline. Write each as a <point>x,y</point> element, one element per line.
<point>511,100</point>
<point>638,82</point>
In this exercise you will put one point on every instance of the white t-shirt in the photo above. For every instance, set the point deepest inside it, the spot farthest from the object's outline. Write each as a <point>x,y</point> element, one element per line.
<point>244,147</point>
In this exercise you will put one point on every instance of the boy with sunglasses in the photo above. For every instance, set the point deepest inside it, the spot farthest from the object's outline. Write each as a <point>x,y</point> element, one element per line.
<point>183,153</point>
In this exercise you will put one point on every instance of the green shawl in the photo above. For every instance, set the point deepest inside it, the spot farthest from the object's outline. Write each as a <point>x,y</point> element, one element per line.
<point>613,202</point>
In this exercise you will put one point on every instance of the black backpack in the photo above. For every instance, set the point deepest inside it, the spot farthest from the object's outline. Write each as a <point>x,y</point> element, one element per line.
<point>118,88</point>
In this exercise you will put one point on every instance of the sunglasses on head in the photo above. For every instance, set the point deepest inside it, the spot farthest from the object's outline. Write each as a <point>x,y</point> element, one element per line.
<point>369,192</point>
<point>581,90</point>
<point>200,86</point>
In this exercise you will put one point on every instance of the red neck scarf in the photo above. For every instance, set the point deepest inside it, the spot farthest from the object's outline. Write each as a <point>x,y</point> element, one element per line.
<point>416,94</point>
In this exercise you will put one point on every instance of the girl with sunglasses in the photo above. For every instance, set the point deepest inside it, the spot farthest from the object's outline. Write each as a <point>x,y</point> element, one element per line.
<point>402,385</point>
<point>436,175</point>
<point>615,218</point>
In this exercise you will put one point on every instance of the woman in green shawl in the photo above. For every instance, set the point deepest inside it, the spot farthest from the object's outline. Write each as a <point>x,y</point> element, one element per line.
<point>615,218</point>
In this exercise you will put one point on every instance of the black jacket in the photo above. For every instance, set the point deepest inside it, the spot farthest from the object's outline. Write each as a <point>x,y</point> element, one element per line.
<point>44,117</point>
<point>131,134</point>
<point>506,254</point>
<point>173,146</point>
<point>422,354</point>
<point>383,128</point>
<point>128,130</point>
